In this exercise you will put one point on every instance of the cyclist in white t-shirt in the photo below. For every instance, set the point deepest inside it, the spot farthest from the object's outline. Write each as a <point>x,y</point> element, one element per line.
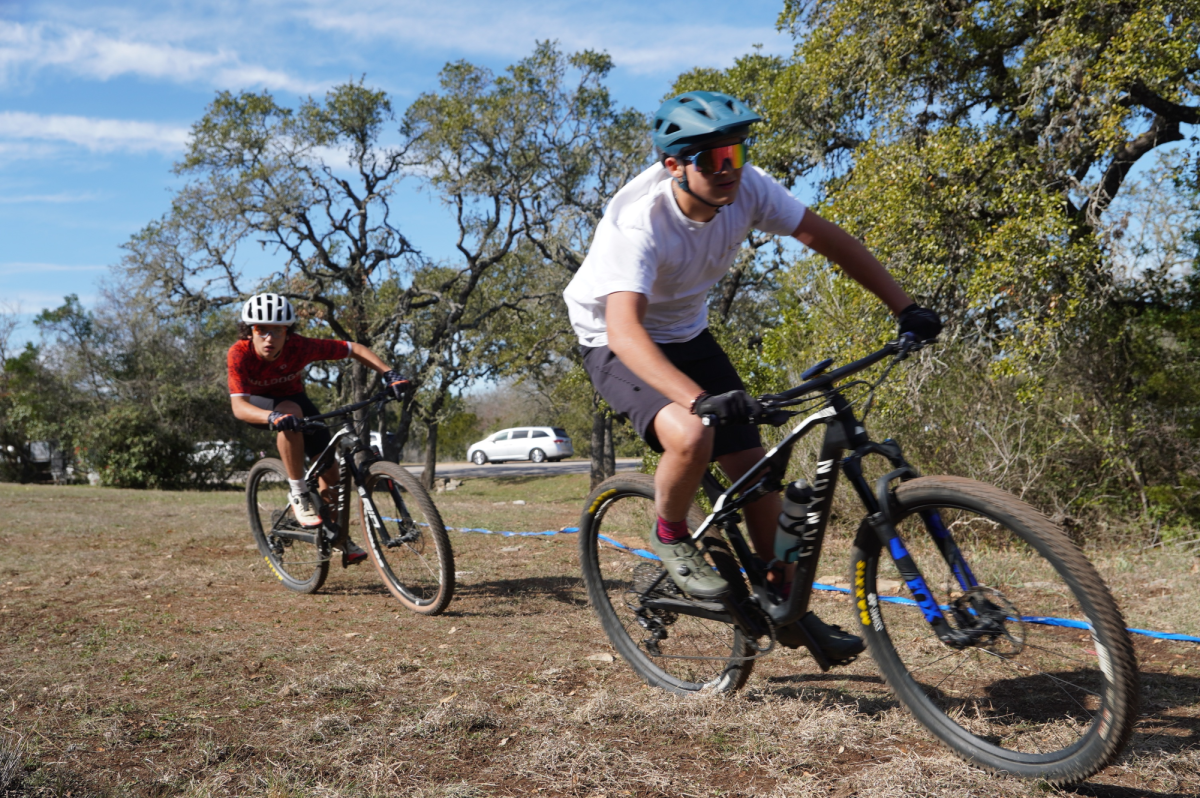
<point>638,306</point>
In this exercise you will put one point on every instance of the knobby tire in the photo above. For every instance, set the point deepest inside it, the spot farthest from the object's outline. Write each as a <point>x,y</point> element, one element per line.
<point>1064,702</point>
<point>622,509</point>
<point>300,566</point>
<point>418,572</point>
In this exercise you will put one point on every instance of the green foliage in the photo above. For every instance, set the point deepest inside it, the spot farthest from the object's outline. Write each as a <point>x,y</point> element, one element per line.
<point>458,432</point>
<point>131,447</point>
<point>977,150</point>
<point>124,391</point>
<point>31,409</point>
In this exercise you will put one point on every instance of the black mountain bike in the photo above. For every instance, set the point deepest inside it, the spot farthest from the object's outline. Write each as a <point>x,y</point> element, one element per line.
<point>411,552</point>
<point>969,652</point>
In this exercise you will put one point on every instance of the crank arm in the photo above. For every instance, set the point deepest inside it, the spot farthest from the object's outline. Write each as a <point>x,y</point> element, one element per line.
<point>292,534</point>
<point>708,610</point>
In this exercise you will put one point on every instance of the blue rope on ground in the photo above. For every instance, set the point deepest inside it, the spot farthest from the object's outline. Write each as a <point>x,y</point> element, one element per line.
<point>649,555</point>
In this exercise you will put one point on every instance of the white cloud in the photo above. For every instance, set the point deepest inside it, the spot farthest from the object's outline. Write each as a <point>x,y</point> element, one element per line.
<point>96,135</point>
<point>97,55</point>
<point>638,38</point>
<point>18,267</point>
<point>56,199</point>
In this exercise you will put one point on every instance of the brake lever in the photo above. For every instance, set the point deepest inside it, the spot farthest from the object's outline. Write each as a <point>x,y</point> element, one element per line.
<point>774,418</point>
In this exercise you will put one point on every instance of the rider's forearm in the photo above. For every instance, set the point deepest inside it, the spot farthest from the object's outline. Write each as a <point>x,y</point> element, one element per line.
<point>826,238</point>
<point>628,339</point>
<point>368,358</point>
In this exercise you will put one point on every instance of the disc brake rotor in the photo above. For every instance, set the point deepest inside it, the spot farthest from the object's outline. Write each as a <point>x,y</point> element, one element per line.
<point>993,621</point>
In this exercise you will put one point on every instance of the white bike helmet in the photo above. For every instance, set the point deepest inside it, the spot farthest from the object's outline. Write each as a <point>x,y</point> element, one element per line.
<point>268,309</point>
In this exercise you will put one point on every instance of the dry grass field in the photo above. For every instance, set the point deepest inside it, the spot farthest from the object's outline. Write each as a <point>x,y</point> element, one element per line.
<point>146,650</point>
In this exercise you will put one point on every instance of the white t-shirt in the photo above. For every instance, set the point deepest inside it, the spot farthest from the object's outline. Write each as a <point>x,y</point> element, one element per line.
<point>646,245</point>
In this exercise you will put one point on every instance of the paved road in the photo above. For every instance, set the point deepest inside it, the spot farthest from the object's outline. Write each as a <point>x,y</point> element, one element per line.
<point>522,468</point>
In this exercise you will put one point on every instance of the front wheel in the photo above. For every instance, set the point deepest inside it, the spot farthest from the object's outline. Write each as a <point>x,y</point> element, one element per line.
<point>479,458</point>
<point>681,653</point>
<point>1026,696</point>
<point>298,556</point>
<point>537,456</point>
<point>408,540</point>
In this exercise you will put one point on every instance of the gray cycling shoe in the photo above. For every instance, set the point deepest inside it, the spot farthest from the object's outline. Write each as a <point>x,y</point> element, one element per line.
<point>839,647</point>
<point>687,567</point>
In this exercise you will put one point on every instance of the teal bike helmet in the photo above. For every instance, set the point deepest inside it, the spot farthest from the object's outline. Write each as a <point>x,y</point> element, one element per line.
<point>694,116</point>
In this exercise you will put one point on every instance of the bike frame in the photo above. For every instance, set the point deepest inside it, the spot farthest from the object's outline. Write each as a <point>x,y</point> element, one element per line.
<point>346,443</point>
<point>845,445</point>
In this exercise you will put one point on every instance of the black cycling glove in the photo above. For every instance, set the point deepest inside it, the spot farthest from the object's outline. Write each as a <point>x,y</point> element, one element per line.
<point>923,323</point>
<point>282,422</point>
<point>735,407</point>
<point>396,384</point>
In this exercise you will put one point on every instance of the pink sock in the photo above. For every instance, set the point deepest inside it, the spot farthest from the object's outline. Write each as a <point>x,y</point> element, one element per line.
<point>672,531</point>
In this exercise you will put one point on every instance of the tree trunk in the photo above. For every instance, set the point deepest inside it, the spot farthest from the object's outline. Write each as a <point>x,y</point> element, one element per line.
<point>597,447</point>
<point>610,449</point>
<point>602,451</point>
<point>387,441</point>
<point>404,427</point>
<point>428,473</point>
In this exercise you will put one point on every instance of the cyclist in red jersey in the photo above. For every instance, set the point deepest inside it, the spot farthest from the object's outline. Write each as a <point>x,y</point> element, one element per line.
<point>266,389</point>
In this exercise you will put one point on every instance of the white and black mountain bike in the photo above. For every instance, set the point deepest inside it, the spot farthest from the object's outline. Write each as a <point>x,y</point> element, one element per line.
<point>973,650</point>
<point>403,529</point>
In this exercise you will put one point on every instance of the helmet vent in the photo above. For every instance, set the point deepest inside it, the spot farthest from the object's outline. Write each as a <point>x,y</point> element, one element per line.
<point>671,128</point>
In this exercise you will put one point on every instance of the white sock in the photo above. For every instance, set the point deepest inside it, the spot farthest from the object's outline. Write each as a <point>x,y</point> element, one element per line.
<point>299,487</point>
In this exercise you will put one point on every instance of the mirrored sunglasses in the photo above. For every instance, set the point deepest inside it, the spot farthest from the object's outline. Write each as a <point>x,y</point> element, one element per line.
<point>268,332</point>
<point>710,161</point>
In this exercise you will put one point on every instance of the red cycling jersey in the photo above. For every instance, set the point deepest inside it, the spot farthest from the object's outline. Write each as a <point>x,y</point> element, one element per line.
<point>250,375</point>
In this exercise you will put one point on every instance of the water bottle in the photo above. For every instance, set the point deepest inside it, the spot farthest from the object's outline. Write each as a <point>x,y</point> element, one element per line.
<point>793,521</point>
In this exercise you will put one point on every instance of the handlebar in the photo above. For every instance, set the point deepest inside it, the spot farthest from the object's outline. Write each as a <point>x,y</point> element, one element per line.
<point>773,403</point>
<point>314,422</point>
<point>827,379</point>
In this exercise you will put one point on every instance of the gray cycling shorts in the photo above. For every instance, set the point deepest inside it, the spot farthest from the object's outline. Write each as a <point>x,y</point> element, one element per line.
<point>701,358</point>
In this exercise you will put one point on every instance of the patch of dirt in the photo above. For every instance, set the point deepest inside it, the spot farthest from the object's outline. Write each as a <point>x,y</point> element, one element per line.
<point>148,650</point>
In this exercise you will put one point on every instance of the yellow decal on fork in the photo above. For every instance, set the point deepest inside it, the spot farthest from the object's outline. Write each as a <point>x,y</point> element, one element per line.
<point>600,500</point>
<point>860,593</point>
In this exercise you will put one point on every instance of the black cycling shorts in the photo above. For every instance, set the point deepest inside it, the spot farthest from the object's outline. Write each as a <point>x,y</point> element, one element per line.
<point>314,442</point>
<point>701,358</point>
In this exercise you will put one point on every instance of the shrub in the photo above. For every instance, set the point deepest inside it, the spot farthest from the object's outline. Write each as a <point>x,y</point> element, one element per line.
<point>130,446</point>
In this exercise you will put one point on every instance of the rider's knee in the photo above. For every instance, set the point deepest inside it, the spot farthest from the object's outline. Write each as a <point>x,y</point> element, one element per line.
<point>291,408</point>
<point>692,441</point>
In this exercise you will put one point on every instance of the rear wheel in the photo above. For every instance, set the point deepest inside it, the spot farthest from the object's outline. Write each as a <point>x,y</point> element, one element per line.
<point>537,456</point>
<point>411,549</point>
<point>691,654</point>
<point>298,556</point>
<point>1024,697</point>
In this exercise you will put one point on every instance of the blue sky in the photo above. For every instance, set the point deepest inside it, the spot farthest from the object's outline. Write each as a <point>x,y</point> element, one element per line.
<point>96,99</point>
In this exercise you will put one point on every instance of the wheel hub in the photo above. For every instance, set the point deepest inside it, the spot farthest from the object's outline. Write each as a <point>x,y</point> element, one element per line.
<point>990,620</point>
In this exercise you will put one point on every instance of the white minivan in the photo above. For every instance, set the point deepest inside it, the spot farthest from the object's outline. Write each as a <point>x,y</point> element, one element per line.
<point>538,444</point>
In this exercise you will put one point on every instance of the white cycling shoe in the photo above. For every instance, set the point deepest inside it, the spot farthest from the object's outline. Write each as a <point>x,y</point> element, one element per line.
<point>305,510</point>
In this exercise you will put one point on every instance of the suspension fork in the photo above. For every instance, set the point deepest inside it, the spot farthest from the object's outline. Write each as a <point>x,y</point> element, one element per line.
<point>931,519</point>
<point>879,518</point>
